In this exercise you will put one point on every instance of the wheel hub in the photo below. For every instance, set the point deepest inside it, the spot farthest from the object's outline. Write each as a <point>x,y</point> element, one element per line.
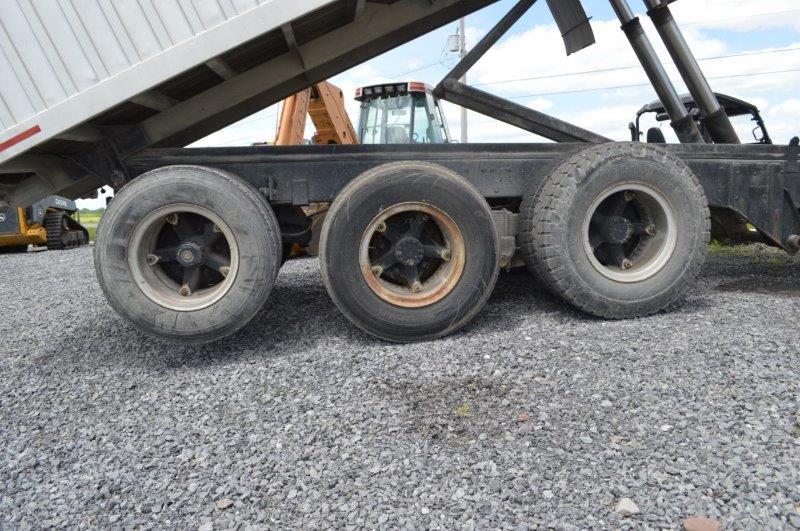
<point>409,251</point>
<point>190,254</point>
<point>629,232</point>
<point>412,255</point>
<point>183,257</point>
<point>618,229</point>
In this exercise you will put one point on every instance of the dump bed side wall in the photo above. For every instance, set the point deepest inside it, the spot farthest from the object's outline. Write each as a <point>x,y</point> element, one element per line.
<point>61,63</point>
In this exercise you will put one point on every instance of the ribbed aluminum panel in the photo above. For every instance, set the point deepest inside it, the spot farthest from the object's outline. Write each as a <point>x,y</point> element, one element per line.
<point>52,51</point>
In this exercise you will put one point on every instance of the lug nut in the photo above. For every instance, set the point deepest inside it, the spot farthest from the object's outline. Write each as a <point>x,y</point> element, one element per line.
<point>376,270</point>
<point>381,227</point>
<point>172,219</point>
<point>216,228</point>
<point>224,271</point>
<point>629,196</point>
<point>152,259</point>
<point>416,287</point>
<point>184,291</point>
<point>650,230</point>
<point>626,264</point>
<point>445,255</point>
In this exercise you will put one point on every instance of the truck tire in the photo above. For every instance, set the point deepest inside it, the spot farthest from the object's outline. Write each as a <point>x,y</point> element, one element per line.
<point>409,252</point>
<point>617,230</point>
<point>188,254</point>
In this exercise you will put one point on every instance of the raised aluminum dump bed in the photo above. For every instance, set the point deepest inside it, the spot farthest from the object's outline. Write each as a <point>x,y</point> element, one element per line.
<point>131,75</point>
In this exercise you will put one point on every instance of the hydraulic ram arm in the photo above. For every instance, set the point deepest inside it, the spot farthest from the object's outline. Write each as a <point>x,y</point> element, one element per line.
<point>452,90</point>
<point>713,114</point>
<point>682,122</point>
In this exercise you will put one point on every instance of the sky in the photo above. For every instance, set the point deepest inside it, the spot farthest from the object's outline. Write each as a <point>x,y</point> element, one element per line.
<point>747,49</point>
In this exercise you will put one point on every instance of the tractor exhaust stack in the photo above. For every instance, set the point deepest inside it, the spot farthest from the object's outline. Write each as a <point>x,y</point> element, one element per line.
<point>682,122</point>
<point>713,115</point>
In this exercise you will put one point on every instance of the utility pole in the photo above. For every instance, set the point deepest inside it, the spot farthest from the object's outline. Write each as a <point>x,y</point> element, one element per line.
<point>462,52</point>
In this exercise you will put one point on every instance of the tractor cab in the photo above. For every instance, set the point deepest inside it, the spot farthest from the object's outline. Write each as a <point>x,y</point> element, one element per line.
<point>743,115</point>
<point>400,113</point>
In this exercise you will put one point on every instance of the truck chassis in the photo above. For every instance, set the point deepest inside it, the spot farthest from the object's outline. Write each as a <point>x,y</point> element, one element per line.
<point>415,236</point>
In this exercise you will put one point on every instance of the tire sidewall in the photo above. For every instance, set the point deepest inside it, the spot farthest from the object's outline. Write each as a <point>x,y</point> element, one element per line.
<point>676,185</point>
<point>358,205</point>
<point>238,205</point>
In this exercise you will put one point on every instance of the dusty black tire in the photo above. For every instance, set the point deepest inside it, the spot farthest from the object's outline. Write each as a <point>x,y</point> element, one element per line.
<point>468,276</point>
<point>553,226</point>
<point>238,207</point>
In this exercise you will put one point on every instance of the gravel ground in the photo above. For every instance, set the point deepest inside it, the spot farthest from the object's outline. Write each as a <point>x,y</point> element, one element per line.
<point>534,415</point>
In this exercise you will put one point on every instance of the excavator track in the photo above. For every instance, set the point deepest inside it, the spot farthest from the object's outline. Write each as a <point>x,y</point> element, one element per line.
<point>63,232</point>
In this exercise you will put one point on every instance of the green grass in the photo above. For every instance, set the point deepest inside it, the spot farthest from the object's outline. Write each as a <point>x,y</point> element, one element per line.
<point>90,218</point>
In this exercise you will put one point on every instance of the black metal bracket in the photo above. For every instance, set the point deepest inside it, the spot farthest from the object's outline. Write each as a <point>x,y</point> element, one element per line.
<point>792,163</point>
<point>452,90</point>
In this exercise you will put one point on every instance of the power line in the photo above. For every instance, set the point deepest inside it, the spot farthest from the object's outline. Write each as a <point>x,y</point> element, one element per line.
<point>637,85</point>
<point>414,70</point>
<point>257,119</point>
<point>696,23</point>
<point>631,67</point>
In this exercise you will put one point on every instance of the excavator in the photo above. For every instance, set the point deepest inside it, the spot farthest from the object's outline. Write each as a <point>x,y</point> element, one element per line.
<point>48,222</point>
<point>391,113</point>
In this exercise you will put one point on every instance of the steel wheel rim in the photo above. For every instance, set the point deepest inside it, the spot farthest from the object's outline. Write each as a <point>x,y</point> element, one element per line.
<point>439,268</point>
<point>646,217</point>
<point>160,280</point>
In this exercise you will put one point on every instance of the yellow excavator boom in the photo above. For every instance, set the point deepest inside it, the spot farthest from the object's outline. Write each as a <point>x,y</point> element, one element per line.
<point>324,103</point>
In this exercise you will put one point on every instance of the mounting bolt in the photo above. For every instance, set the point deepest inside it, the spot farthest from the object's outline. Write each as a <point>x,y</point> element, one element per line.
<point>224,271</point>
<point>376,270</point>
<point>172,219</point>
<point>445,255</point>
<point>381,227</point>
<point>626,264</point>
<point>650,230</point>
<point>629,196</point>
<point>504,261</point>
<point>184,291</point>
<point>152,259</point>
<point>794,241</point>
<point>416,287</point>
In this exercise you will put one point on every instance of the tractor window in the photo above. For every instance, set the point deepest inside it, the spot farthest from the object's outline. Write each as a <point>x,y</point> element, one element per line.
<point>427,125</point>
<point>386,120</point>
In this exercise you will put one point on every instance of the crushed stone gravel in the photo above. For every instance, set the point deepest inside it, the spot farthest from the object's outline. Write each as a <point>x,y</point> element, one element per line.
<point>533,416</point>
